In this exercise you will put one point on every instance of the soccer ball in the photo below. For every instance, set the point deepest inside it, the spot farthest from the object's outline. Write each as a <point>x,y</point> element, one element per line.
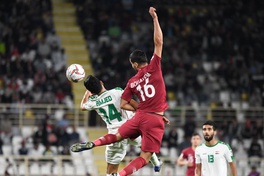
<point>75,73</point>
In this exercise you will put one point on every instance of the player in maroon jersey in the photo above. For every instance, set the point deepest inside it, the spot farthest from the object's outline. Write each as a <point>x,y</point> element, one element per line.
<point>187,155</point>
<point>148,121</point>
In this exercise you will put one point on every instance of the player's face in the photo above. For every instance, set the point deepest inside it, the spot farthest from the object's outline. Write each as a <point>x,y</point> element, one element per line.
<point>196,140</point>
<point>208,132</point>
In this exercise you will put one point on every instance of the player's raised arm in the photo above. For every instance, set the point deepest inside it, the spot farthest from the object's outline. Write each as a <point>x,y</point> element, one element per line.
<point>158,36</point>
<point>86,95</point>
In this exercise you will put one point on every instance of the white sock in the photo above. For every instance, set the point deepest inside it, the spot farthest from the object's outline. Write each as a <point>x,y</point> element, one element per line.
<point>154,160</point>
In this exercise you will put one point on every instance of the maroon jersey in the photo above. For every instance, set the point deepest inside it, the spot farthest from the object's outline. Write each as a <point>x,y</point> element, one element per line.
<point>148,85</point>
<point>189,155</point>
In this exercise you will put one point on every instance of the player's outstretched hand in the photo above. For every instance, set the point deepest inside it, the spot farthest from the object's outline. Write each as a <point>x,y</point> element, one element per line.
<point>167,121</point>
<point>152,12</point>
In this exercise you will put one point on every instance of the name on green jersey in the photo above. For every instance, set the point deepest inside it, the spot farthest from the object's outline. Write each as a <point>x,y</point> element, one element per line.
<point>103,100</point>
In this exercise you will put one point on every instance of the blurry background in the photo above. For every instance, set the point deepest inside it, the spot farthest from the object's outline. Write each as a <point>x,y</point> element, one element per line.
<point>213,67</point>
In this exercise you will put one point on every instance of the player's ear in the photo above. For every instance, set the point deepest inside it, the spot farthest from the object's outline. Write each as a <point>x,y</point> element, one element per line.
<point>136,64</point>
<point>215,133</point>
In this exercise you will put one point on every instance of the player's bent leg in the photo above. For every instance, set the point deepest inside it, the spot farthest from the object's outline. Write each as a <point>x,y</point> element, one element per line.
<point>111,168</point>
<point>156,162</point>
<point>104,140</point>
<point>78,147</point>
<point>136,164</point>
<point>107,139</point>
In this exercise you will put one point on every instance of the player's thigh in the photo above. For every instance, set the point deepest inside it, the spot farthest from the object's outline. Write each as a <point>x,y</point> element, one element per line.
<point>116,152</point>
<point>130,128</point>
<point>152,130</point>
<point>136,142</point>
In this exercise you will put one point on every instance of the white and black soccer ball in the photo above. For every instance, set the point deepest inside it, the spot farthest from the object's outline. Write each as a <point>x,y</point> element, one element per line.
<point>75,73</point>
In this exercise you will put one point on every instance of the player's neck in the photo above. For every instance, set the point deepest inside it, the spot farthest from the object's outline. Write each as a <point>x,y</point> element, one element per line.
<point>212,142</point>
<point>102,91</point>
<point>141,66</point>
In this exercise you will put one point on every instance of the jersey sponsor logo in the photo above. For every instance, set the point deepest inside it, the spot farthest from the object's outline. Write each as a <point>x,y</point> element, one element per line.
<point>103,100</point>
<point>135,83</point>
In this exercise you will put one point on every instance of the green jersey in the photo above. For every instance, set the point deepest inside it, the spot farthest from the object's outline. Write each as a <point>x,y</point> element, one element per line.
<point>214,159</point>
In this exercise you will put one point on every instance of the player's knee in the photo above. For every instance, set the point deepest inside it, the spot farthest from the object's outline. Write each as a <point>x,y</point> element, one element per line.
<point>118,137</point>
<point>146,155</point>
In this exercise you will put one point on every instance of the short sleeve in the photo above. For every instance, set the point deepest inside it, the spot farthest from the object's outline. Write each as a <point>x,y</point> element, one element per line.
<point>197,157</point>
<point>127,94</point>
<point>229,154</point>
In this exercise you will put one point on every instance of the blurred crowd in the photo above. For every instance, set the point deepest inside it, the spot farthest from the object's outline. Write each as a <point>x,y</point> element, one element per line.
<point>212,48</point>
<point>32,61</point>
<point>50,137</point>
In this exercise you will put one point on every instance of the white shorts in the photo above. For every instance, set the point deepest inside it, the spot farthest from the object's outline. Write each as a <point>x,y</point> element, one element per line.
<point>116,152</point>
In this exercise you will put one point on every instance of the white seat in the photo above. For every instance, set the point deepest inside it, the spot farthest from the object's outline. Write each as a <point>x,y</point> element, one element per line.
<point>46,169</point>
<point>3,165</point>
<point>168,171</point>
<point>80,170</point>
<point>7,149</point>
<point>77,159</point>
<point>180,170</point>
<point>68,169</point>
<point>21,169</point>
<point>34,169</point>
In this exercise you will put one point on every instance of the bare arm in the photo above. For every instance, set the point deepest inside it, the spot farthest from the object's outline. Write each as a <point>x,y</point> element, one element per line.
<point>233,168</point>
<point>126,105</point>
<point>182,162</point>
<point>158,35</point>
<point>198,169</point>
<point>133,103</point>
<point>86,95</point>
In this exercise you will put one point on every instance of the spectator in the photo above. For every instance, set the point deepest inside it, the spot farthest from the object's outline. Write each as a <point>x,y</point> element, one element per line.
<point>35,153</point>
<point>66,152</point>
<point>40,135</point>
<point>189,127</point>
<point>49,153</point>
<point>246,131</point>
<point>173,138</point>
<point>254,152</point>
<point>23,150</point>
<point>74,136</point>
<point>254,172</point>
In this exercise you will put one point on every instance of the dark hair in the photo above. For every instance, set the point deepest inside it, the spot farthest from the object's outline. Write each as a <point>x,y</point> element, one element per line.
<point>196,134</point>
<point>138,56</point>
<point>211,123</point>
<point>93,84</point>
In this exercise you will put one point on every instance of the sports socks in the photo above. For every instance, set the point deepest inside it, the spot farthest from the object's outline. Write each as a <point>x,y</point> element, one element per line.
<point>154,160</point>
<point>133,166</point>
<point>105,140</point>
